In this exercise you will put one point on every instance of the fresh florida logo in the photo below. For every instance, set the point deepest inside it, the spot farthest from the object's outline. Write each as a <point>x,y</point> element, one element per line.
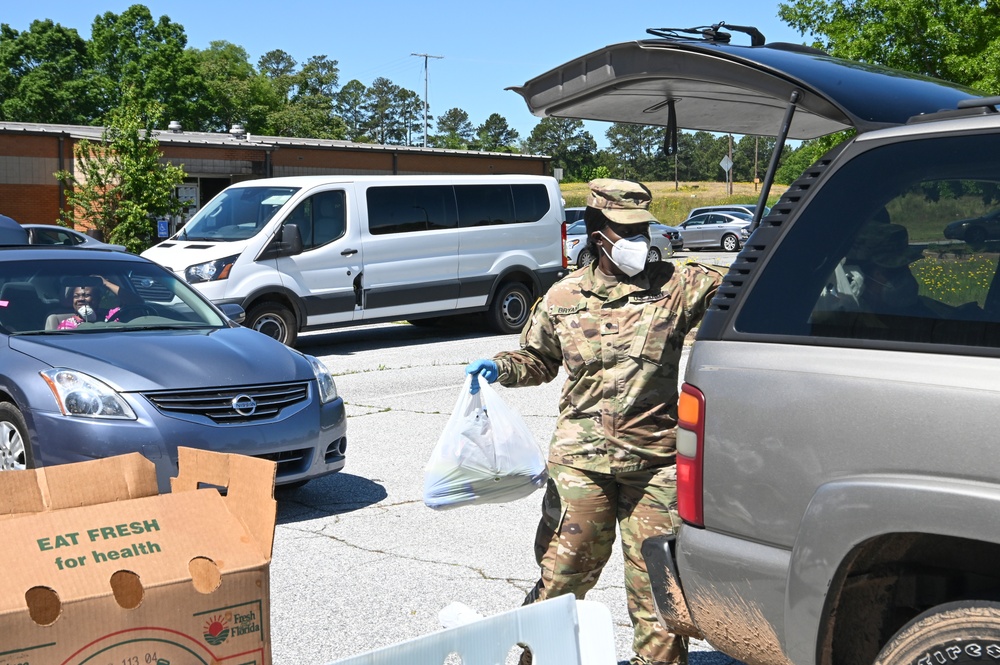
<point>217,630</point>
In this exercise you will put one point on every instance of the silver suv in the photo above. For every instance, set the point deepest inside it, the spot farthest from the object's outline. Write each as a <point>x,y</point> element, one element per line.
<point>837,472</point>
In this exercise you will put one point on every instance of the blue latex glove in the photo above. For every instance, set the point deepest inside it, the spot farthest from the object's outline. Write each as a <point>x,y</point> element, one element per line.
<point>485,368</point>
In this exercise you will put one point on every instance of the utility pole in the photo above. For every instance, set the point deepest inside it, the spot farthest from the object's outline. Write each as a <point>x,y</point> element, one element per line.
<point>425,56</point>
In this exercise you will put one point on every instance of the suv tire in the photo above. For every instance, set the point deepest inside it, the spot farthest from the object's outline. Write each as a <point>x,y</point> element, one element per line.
<point>960,632</point>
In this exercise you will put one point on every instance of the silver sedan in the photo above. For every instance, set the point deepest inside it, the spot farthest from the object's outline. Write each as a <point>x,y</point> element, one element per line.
<point>727,230</point>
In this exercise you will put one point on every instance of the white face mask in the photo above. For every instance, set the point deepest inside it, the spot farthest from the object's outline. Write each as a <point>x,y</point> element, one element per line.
<point>87,313</point>
<point>629,254</point>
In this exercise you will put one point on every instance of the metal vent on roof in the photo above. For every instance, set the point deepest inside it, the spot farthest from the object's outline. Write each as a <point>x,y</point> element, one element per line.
<point>174,126</point>
<point>238,131</point>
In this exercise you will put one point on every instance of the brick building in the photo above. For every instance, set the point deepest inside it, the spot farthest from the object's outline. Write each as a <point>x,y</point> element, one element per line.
<point>31,153</point>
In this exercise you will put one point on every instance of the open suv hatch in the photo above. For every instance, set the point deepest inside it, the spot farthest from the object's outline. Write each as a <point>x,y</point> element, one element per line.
<point>837,472</point>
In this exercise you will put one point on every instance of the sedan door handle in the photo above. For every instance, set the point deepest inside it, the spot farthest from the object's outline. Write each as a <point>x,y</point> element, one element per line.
<point>349,252</point>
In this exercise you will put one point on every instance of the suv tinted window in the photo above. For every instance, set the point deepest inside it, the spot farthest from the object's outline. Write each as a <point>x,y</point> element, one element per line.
<point>406,209</point>
<point>484,205</point>
<point>531,202</point>
<point>910,256</point>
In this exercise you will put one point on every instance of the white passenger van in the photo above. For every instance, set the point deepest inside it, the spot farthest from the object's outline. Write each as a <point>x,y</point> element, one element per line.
<point>313,252</point>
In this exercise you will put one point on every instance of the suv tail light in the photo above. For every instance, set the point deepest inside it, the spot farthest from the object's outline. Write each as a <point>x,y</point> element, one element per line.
<point>690,443</point>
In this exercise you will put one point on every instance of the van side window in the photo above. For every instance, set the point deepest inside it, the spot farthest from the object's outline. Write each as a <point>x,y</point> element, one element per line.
<point>407,209</point>
<point>484,205</point>
<point>531,202</point>
<point>321,218</point>
<point>902,257</point>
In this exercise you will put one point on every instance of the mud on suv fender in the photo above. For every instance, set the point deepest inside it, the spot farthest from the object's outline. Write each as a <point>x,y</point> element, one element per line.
<point>861,568</point>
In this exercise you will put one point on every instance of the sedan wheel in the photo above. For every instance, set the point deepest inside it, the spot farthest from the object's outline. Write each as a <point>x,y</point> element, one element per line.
<point>730,243</point>
<point>653,256</point>
<point>14,454</point>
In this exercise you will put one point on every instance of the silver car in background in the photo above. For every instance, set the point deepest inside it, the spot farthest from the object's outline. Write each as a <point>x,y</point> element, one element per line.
<point>708,230</point>
<point>51,234</point>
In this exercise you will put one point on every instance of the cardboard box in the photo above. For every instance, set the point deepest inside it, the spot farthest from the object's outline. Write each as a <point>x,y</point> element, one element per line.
<point>99,568</point>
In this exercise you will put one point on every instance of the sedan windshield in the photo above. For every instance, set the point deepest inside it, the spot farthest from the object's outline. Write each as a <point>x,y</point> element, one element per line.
<point>236,214</point>
<point>76,295</point>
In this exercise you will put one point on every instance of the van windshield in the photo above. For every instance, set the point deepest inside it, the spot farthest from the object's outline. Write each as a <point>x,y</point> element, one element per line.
<point>236,214</point>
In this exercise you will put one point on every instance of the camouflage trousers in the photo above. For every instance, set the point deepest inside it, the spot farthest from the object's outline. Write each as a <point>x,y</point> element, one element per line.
<point>577,531</point>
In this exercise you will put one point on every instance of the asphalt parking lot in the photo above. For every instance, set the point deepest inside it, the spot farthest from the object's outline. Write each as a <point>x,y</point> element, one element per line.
<point>359,561</point>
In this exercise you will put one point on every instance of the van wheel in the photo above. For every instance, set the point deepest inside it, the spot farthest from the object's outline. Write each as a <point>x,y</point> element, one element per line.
<point>274,320</point>
<point>15,451</point>
<point>510,308</point>
<point>730,243</point>
<point>960,632</point>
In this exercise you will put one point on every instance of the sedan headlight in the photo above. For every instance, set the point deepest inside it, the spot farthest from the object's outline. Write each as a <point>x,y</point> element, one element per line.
<point>327,386</point>
<point>210,271</point>
<point>81,395</point>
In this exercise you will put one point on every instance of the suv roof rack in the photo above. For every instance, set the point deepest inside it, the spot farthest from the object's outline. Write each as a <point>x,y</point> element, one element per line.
<point>713,34</point>
<point>965,108</point>
<point>709,33</point>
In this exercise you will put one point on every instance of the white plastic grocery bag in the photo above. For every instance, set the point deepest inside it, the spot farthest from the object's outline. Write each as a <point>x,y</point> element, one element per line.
<point>486,454</point>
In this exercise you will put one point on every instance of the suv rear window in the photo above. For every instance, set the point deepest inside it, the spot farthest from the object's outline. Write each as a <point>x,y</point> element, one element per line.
<point>901,245</point>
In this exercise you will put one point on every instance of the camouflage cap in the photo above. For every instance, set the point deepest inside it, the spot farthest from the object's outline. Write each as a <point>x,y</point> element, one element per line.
<point>621,201</point>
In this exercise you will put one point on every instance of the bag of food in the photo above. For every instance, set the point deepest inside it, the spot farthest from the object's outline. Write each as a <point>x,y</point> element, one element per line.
<point>486,454</point>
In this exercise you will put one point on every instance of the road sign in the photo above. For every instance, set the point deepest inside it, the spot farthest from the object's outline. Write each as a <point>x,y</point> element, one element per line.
<point>726,163</point>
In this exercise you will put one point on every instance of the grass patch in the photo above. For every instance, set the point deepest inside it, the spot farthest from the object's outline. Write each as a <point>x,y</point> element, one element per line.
<point>956,281</point>
<point>672,201</point>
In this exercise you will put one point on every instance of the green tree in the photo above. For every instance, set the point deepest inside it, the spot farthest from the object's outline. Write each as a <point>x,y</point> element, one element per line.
<point>350,106</point>
<point>571,146</point>
<point>132,51</point>
<point>234,91</point>
<point>956,40</point>
<point>751,155</point>
<point>387,114</point>
<point>120,187</point>
<point>279,68</point>
<point>795,162</point>
<point>454,130</point>
<point>636,147</point>
<point>411,113</point>
<point>495,135</point>
<point>44,75</point>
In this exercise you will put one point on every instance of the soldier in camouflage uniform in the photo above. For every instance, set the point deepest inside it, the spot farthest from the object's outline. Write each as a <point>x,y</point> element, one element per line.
<point>611,459</point>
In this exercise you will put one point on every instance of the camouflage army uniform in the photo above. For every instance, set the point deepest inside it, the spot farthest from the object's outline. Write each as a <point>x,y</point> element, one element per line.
<point>611,458</point>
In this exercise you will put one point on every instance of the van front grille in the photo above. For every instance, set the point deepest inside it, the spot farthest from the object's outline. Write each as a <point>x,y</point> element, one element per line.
<point>232,405</point>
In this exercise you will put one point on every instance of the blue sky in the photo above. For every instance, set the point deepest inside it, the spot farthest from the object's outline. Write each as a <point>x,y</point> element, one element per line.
<point>486,47</point>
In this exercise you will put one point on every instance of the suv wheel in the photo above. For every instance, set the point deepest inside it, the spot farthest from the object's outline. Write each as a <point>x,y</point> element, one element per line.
<point>730,243</point>
<point>960,632</point>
